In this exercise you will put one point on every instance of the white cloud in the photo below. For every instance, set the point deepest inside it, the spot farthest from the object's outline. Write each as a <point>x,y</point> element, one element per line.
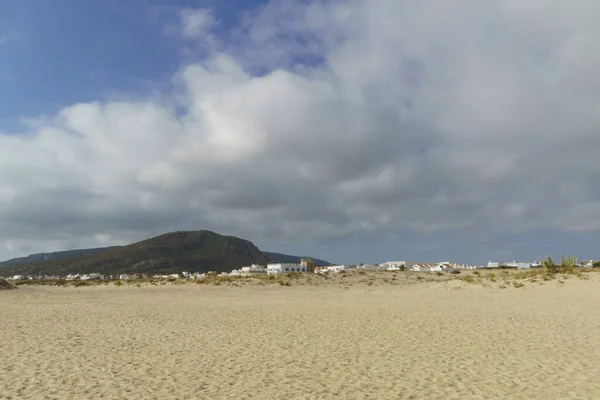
<point>373,116</point>
<point>196,23</point>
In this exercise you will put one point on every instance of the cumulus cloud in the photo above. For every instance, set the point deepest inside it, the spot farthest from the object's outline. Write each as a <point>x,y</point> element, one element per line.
<point>368,117</point>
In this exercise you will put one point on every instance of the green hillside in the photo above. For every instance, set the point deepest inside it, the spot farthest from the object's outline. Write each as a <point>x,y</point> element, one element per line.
<point>57,255</point>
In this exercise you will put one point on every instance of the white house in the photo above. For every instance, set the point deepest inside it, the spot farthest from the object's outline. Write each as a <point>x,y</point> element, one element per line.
<point>249,271</point>
<point>374,267</point>
<point>93,275</point>
<point>493,264</point>
<point>253,270</point>
<point>445,266</point>
<point>422,267</point>
<point>336,268</point>
<point>536,264</point>
<point>394,265</point>
<point>282,268</point>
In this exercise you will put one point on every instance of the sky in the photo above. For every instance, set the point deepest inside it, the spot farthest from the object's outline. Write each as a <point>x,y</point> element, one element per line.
<point>348,130</point>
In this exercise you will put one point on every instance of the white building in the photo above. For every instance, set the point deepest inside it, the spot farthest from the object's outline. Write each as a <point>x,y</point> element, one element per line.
<point>393,265</point>
<point>445,267</point>
<point>93,275</point>
<point>336,268</point>
<point>252,270</point>
<point>422,267</point>
<point>282,268</point>
<point>372,267</point>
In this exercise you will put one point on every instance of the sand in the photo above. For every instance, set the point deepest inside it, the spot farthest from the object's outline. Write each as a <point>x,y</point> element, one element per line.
<point>431,340</point>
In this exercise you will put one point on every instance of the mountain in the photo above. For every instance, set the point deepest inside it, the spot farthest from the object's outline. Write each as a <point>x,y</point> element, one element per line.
<point>194,251</point>
<point>57,255</point>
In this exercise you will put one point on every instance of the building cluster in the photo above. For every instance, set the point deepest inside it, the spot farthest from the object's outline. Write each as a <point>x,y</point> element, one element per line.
<point>535,264</point>
<point>306,266</point>
<point>98,276</point>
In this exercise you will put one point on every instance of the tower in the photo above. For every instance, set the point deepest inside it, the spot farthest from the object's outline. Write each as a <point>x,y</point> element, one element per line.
<point>309,264</point>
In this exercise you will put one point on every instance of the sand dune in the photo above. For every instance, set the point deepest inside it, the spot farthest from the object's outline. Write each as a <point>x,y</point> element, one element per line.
<point>431,340</point>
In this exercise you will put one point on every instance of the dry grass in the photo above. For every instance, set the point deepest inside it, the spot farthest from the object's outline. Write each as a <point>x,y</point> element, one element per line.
<point>496,279</point>
<point>4,285</point>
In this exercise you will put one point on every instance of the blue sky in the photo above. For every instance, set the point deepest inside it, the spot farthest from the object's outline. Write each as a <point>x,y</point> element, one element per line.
<point>349,131</point>
<point>67,51</point>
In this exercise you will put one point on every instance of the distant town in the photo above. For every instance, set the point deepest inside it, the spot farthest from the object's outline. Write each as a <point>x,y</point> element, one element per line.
<point>306,266</point>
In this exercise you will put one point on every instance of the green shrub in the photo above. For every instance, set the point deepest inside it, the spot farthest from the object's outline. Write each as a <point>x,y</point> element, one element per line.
<point>567,265</point>
<point>549,265</point>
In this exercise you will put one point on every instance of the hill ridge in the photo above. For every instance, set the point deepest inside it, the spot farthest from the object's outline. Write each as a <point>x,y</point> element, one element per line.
<point>195,251</point>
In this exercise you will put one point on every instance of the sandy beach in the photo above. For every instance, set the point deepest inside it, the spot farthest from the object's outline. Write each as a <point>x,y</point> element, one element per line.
<point>430,340</point>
